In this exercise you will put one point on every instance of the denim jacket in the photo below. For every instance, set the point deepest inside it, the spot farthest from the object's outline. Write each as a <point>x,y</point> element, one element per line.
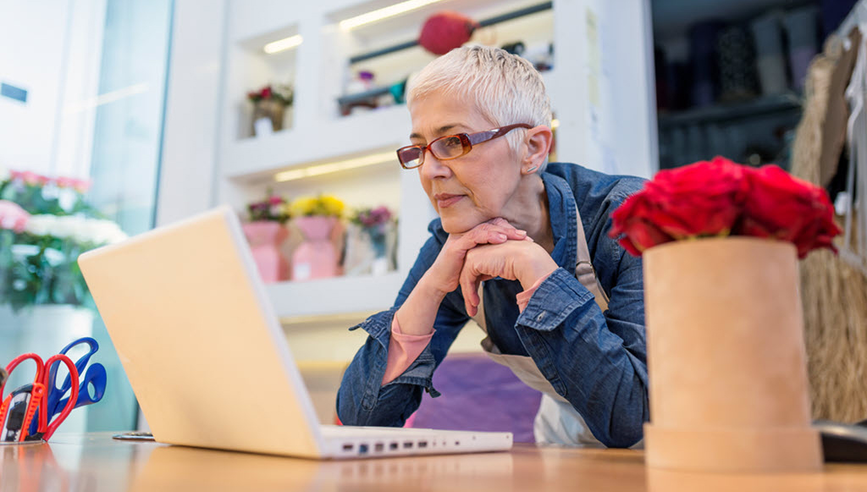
<point>597,361</point>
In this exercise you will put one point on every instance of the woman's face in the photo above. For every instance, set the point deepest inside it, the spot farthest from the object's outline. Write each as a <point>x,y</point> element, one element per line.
<point>475,187</point>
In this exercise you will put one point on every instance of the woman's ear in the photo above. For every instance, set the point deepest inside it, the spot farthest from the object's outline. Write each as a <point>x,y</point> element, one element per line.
<point>539,141</point>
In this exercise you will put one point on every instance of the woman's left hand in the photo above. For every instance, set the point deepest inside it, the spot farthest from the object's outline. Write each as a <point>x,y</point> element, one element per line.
<point>524,261</point>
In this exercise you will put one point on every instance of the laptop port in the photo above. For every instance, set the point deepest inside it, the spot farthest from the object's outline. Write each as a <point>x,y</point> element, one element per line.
<point>348,447</point>
<point>422,444</point>
<point>362,449</point>
<point>392,446</point>
<point>378,447</point>
<point>407,445</point>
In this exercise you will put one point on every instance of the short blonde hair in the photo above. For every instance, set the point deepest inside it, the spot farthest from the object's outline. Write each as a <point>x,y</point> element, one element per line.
<point>505,88</point>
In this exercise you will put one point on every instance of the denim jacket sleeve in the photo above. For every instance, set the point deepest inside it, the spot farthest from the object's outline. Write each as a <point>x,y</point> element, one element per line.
<point>596,360</point>
<point>361,399</point>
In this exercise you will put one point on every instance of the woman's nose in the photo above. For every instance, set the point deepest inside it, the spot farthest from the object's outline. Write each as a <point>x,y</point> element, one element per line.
<point>433,167</point>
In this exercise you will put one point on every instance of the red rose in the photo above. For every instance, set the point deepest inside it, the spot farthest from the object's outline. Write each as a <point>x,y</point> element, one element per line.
<point>633,223</point>
<point>702,199</point>
<point>266,93</point>
<point>720,198</point>
<point>783,207</point>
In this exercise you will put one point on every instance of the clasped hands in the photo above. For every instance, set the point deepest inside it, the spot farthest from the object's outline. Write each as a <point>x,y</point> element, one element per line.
<point>492,249</point>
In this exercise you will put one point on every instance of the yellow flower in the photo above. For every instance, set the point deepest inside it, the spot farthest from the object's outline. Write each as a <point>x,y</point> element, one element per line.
<point>332,205</point>
<point>323,205</point>
<point>305,205</point>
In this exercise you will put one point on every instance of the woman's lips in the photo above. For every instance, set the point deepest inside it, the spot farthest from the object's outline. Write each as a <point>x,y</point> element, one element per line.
<point>445,200</point>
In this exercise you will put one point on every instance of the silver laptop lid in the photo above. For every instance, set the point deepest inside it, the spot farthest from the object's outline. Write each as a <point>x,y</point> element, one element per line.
<point>199,340</point>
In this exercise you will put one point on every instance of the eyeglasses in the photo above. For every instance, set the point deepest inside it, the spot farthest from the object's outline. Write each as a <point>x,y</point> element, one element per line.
<point>450,146</point>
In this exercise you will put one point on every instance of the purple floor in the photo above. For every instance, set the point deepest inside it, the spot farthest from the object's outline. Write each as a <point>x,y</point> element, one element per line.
<point>478,394</point>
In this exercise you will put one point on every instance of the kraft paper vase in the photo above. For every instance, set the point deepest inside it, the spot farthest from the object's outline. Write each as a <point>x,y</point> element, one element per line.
<point>265,238</point>
<point>726,358</point>
<point>316,256</point>
<point>271,109</point>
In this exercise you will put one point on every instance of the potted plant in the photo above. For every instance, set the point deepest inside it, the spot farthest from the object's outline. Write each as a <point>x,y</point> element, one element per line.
<point>45,224</point>
<point>270,103</point>
<point>370,241</point>
<point>265,231</point>
<point>316,217</point>
<point>726,358</point>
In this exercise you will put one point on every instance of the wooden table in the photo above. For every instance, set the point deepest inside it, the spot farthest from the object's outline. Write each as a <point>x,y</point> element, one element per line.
<point>95,462</point>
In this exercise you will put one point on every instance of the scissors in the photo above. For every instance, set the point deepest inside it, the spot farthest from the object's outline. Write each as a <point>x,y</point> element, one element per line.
<point>94,379</point>
<point>19,409</point>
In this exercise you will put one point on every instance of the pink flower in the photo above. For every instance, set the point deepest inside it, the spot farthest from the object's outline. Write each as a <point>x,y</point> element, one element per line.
<point>12,216</point>
<point>30,177</point>
<point>65,182</point>
<point>81,185</point>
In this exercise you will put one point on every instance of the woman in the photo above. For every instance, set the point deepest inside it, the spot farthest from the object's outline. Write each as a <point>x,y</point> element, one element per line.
<point>516,226</point>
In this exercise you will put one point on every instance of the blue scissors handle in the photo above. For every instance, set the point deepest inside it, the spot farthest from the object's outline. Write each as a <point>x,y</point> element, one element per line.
<point>94,380</point>
<point>92,383</point>
<point>80,364</point>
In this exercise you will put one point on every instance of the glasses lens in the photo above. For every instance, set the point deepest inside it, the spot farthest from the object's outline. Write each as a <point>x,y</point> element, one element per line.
<point>448,147</point>
<point>410,156</point>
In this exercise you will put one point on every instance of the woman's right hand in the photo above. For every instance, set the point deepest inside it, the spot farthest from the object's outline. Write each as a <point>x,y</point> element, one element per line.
<point>445,273</point>
<point>417,314</point>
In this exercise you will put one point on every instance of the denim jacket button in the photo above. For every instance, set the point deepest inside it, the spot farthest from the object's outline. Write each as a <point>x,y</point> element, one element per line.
<point>541,316</point>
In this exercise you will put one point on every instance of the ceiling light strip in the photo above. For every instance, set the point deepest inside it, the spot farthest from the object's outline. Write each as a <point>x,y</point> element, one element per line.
<point>384,13</point>
<point>337,166</point>
<point>283,44</point>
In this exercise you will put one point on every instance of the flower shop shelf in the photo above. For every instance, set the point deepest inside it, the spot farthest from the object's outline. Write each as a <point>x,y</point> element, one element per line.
<point>383,128</point>
<point>338,295</point>
<point>314,142</point>
<point>727,112</point>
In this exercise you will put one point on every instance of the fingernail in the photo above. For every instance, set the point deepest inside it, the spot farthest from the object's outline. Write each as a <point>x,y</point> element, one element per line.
<point>501,237</point>
<point>521,233</point>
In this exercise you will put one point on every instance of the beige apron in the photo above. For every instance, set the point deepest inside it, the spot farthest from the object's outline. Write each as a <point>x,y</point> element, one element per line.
<point>557,421</point>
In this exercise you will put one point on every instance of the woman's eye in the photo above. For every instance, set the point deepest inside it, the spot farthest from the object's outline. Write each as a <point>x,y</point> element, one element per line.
<point>452,142</point>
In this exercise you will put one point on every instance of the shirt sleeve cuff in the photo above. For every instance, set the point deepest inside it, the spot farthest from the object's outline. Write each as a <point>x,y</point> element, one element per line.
<point>523,298</point>
<point>553,301</point>
<point>403,350</point>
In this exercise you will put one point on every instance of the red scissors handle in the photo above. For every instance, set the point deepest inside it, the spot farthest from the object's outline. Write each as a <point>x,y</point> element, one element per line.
<point>40,376</point>
<point>37,394</point>
<point>40,367</point>
<point>44,428</point>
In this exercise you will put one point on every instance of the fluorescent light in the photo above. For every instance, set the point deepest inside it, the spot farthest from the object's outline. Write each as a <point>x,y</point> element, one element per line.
<point>384,13</point>
<point>333,167</point>
<point>283,44</point>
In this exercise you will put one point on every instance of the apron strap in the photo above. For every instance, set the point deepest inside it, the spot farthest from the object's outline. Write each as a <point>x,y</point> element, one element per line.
<point>584,271</point>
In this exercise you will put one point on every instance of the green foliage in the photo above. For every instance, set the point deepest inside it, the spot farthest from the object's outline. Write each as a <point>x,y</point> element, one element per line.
<point>39,264</point>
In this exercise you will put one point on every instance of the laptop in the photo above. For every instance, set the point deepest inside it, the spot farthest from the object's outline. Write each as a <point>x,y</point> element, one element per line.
<point>208,360</point>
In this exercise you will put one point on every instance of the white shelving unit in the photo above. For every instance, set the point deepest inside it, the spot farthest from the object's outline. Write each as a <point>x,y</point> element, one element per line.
<point>601,81</point>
